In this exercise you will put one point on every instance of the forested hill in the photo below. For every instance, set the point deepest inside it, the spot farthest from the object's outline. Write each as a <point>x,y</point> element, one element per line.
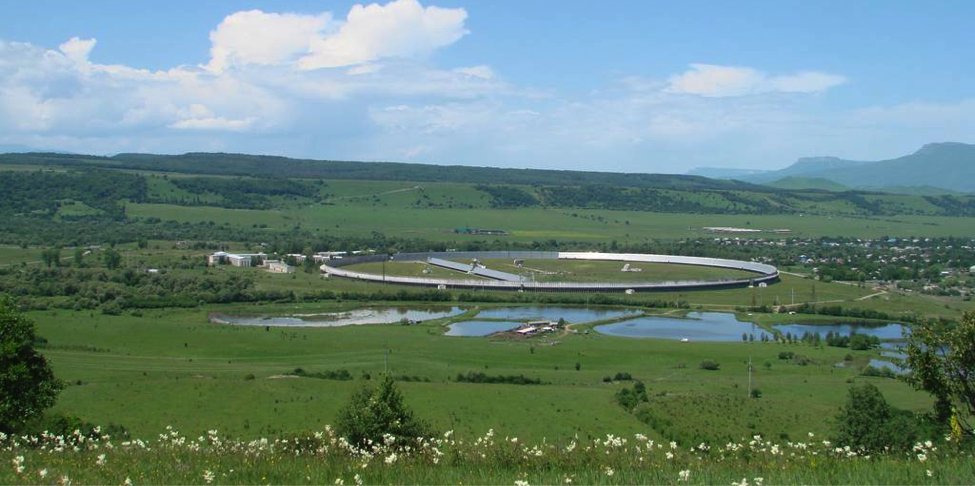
<point>283,167</point>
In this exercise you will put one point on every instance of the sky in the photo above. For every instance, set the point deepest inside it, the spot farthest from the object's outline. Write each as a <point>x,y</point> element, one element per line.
<point>641,86</point>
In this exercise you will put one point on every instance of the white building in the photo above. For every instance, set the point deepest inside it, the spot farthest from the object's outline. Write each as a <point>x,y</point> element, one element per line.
<point>274,266</point>
<point>235,259</point>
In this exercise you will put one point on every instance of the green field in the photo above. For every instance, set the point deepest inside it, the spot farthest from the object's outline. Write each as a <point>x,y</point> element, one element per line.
<point>173,368</point>
<point>534,224</point>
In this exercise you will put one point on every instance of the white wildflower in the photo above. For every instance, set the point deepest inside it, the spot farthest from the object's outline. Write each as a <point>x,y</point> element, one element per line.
<point>42,473</point>
<point>128,482</point>
<point>670,456</point>
<point>64,481</point>
<point>358,480</point>
<point>520,482</point>
<point>684,475</point>
<point>208,476</point>
<point>19,464</point>
<point>758,481</point>
<point>609,472</point>
<point>930,473</point>
<point>744,482</point>
<point>922,457</point>
<point>101,460</point>
<point>391,459</point>
<point>339,482</point>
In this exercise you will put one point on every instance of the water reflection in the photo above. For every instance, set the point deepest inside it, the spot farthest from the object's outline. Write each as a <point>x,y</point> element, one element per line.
<point>574,315</point>
<point>698,326</point>
<point>480,328</point>
<point>381,315</point>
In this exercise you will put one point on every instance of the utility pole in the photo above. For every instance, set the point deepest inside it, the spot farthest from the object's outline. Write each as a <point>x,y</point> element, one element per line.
<point>749,377</point>
<point>793,296</point>
<point>386,357</point>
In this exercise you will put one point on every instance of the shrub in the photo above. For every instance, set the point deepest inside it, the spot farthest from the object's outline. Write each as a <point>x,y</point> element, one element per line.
<point>629,398</point>
<point>249,376</point>
<point>883,372</point>
<point>786,355</point>
<point>472,377</point>
<point>374,412</point>
<point>710,365</point>
<point>869,423</point>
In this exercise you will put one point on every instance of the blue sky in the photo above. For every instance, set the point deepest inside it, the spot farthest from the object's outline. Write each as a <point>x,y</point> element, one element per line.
<point>622,86</point>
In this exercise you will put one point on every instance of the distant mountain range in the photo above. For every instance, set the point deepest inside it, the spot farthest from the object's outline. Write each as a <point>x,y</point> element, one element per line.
<point>948,167</point>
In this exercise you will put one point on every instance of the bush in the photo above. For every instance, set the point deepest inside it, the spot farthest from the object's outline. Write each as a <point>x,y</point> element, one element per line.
<point>710,365</point>
<point>249,376</point>
<point>374,412</point>
<point>883,372</point>
<point>629,398</point>
<point>341,375</point>
<point>786,355</point>
<point>472,377</point>
<point>869,423</point>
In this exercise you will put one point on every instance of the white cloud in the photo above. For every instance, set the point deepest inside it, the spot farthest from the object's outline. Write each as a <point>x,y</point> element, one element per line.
<point>214,123</point>
<point>402,28</point>
<point>806,82</point>
<point>78,49</point>
<point>255,37</point>
<point>721,81</point>
<point>482,71</point>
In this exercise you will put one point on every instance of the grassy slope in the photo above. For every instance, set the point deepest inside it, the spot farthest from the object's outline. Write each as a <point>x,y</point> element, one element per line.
<point>171,367</point>
<point>540,224</point>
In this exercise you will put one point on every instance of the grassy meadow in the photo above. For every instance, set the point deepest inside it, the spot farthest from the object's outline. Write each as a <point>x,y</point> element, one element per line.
<point>172,367</point>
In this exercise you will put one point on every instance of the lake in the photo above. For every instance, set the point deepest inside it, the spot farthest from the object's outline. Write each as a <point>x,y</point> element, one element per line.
<point>481,328</point>
<point>368,315</point>
<point>574,315</point>
<point>889,331</point>
<point>698,326</point>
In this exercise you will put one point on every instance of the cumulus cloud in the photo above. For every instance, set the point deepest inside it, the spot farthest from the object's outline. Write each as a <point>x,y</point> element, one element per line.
<point>720,81</point>
<point>256,37</point>
<point>78,49</point>
<point>402,28</point>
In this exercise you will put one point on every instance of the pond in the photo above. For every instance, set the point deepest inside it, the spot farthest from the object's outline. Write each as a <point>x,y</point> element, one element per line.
<point>368,315</point>
<point>481,328</point>
<point>698,326</point>
<point>574,315</point>
<point>889,331</point>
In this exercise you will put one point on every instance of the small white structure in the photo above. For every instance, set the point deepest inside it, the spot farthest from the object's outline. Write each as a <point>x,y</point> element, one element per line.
<point>298,257</point>
<point>527,331</point>
<point>274,266</point>
<point>972,269</point>
<point>762,285</point>
<point>235,259</point>
<point>630,291</point>
<point>628,268</point>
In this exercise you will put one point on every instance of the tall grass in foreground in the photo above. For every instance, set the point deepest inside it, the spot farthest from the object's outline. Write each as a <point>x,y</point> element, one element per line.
<point>325,458</point>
